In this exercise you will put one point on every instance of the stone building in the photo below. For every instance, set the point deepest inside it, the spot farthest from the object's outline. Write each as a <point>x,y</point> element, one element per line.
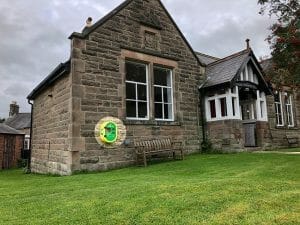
<point>135,65</point>
<point>245,112</point>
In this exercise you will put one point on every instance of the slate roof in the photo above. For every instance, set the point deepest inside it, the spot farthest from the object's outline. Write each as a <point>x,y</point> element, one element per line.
<point>4,129</point>
<point>224,70</point>
<point>266,64</point>
<point>19,121</point>
<point>59,71</point>
<point>206,59</point>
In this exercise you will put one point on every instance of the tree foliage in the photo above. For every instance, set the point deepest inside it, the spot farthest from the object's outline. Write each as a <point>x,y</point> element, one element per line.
<point>2,120</point>
<point>284,40</point>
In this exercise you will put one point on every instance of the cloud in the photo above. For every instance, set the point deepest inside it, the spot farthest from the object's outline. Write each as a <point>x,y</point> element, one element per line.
<point>34,35</point>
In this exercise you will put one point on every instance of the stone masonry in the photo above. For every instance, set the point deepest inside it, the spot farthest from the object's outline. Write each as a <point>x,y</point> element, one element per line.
<point>228,135</point>
<point>66,111</point>
<point>52,134</point>
<point>63,125</point>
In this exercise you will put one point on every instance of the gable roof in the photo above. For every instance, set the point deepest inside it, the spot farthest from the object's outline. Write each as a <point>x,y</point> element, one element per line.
<point>266,64</point>
<point>19,121</point>
<point>206,59</point>
<point>86,31</point>
<point>4,129</point>
<point>224,70</point>
<point>63,68</point>
<point>59,71</point>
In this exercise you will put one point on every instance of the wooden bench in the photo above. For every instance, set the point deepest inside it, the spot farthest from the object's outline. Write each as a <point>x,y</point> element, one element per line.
<point>292,140</point>
<point>148,148</point>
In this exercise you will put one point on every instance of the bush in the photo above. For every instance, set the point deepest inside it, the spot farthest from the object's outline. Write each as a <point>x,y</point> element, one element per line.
<point>206,146</point>
<point>22,163</point>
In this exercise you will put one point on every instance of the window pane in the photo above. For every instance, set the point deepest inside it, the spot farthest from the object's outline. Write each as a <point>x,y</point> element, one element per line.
<point>135,72</point>
<point>223,107</point>
<point>262,109</point>
<point>130,91</point>
<point>280,122</point>
<point>158,111</point>
<point>212,104</point>
<point>233,106</point>
<point>168,111</point>
<point>167,95</point>
<point>279,109</point>
<point>142,92</point>
<point>131,109</point>
<point>276,98</point>
<point>289,115</point>
<point>157,94</point>
<point>162,76</point>
<point>142,110</point>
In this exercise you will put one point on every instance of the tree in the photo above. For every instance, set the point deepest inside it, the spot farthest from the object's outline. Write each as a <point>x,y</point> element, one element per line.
<point>284,40</point>
<point>2,120</point>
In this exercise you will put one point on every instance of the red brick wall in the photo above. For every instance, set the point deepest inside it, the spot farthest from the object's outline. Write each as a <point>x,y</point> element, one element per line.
<point>19,139</point>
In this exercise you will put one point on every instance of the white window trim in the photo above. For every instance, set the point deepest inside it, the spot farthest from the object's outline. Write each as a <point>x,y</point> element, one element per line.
<point>261,98</point>
<point>228,95</point>
<point>276,112</point>
<point>136,100</point>
<point>292,113</point>
<point>172,99</point>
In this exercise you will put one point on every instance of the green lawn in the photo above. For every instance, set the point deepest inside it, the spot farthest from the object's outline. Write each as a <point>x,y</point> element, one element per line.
<point>287,150</point>
<point>203,189</point>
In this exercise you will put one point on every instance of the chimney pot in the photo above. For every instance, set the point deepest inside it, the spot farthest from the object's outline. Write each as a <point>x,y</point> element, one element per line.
<point>89,22</point>
<point>248,43</point>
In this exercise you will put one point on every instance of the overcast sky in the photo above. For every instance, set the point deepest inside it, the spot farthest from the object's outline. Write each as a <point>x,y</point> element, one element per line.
<point>34,35</point>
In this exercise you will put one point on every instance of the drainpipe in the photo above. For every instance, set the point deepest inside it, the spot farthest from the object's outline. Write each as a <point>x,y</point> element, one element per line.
<point>202,111</point>
<point>30,142</point>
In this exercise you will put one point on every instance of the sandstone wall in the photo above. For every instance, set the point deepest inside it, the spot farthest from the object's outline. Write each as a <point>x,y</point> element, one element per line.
<point>228,135</point>
<point>99,84</point>
<point>278,134</point>
<point>51,148</point>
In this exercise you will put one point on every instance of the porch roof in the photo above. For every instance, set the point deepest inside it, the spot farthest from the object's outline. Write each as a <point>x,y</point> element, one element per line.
<point>224,70</point>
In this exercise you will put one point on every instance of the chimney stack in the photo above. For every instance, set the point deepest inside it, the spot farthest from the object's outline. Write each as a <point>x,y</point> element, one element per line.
<point>13,109</point>
<point>248,43</point>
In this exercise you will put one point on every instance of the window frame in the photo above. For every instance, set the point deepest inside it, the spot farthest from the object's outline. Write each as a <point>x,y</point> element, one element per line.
<point>289,104</point>
<point>162,89</point>
<point>136,92</point>
<point>279,104</point>
<point>231,98</point>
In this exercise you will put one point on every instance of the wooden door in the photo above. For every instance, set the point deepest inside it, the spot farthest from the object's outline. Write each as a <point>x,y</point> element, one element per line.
<point>250,134</point>
<point>9,152</point>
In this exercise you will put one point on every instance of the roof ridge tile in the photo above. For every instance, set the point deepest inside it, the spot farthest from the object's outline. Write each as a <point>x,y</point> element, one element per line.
<point>230,57</point>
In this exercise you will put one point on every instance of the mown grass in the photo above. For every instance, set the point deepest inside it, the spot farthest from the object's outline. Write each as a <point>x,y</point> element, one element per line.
<point>203,189</point>
<point>286,150</point>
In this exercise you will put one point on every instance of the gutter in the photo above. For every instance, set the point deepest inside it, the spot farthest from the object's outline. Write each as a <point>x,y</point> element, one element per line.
<point>28,170</point>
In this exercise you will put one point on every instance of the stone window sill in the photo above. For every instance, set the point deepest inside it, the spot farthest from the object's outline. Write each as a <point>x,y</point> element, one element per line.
<point>152,123</point>
<point>286,128</point>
